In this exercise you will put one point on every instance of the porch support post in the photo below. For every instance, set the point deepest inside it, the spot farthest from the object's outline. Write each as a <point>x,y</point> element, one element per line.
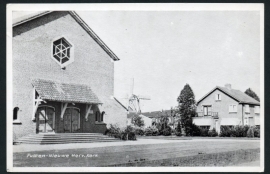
<point>63,109</point>
<point>88,109</point>
<point>36,103</point>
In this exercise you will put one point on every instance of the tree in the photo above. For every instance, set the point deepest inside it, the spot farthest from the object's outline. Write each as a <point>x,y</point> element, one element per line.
<point>178,130</point>
<point>138,121</point>
<point>187,108</point>
<point>252,94</point>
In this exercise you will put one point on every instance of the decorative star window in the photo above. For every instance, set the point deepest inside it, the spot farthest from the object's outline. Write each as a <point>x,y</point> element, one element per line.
<point>62,51</point>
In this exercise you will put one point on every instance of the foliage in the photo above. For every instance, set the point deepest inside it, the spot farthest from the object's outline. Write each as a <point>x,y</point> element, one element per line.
<point>232,132</point>
<point>167,131</point>
<point>113,130</point>
<point>225,131</point>
<point>250,132</point>
<point>178,130</point>
<point>252,94</point>
<point>204,132</point>
<point>139,131</point>
<point>151,131</point>
<point>123,134</point>
<point>195,130</point>
<point>241,131</point>
<point>138,121</point>
<point>212,133</point>
<point>187,108</point>
<point>257,132</point>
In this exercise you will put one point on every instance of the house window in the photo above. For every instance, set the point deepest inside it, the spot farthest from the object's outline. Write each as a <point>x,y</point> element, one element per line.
<point>62,51</point>
<point>257,109</point>
<point>232,108</point>
<point>207,110</point>
<point>247,110</point>
<point>218,97</point>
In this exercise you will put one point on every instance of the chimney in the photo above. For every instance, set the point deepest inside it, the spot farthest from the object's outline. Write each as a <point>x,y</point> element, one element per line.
<point>228,86</point>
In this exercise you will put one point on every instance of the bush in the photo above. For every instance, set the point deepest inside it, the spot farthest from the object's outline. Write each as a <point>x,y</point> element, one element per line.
<point>232,132</point>
<point>151,131</point>
<point>113,130</point>
<point>257,132</point>
<point>204,132</point>
<point>250,132</point>
<point>178,130</point>
<point>195,130</point>
<point>139,131</point>
<point>167,131</point>
<point>124,134</point>
<point>212,133</point>
<point>225,131</point>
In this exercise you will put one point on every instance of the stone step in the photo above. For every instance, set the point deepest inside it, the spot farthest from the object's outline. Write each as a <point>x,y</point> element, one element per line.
<point>63,138</point>
<point>66,138</point>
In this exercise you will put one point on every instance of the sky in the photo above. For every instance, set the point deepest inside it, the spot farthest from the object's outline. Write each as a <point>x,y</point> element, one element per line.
<point>164,50</point>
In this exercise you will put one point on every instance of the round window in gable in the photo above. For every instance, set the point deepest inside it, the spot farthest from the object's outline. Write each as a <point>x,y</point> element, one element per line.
<point>62,51</point>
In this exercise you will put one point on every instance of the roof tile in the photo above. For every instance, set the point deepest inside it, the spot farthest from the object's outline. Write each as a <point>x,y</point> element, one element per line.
<point>64,92</point>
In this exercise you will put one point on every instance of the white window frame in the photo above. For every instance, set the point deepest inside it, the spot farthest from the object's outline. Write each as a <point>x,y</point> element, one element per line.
<point>233,108</point>
<point>247,109</point>
<point>257,109</point>
<point>218,97</point>
<point>71,59</point>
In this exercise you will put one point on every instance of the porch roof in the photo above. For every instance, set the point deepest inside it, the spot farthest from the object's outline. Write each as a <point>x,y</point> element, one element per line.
<point>64,92</point>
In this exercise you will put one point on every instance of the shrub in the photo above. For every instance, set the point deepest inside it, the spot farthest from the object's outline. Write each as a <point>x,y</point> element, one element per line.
<point>122,134</point>
<point>113,130</point>
<point>204,132</point>
<point>225,131</point>
<point>257,132</point>
<point>139,131</point>
<point>167,131</point>
<point>250,132</point>
<point>232,132</point>
<point>212,133</point>
<point>151,131</point>
<point>178,130</point>
<point>246,127</point>
<point>128,133</point>
<point>195,130</point>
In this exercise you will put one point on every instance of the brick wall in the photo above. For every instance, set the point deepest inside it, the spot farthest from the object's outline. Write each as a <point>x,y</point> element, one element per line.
<point>32,59</point>
<point>222,107</point>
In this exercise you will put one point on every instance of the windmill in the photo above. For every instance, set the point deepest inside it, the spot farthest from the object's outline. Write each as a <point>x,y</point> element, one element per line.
<point>134,101</point>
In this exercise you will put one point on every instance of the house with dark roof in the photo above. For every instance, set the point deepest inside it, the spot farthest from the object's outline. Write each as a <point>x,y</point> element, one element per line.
<point>62,77</point>
<point>224,106</point>
<point>156,116</point>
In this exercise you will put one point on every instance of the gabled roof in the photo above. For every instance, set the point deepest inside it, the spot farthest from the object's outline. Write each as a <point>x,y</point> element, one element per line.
<point>79,20</point>
<point>64,92</point>
<point>237,95</point>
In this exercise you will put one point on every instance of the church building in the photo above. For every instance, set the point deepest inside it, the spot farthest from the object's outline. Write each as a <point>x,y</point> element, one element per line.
<point>63,77</point>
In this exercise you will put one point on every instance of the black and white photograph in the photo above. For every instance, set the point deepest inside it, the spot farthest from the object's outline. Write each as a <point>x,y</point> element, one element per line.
<point>135,87</point>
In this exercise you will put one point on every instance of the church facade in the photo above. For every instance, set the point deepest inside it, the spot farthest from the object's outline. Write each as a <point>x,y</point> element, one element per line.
<point>63,77</point>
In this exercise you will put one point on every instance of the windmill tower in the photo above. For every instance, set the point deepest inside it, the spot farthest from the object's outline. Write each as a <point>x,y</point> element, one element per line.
<point>134,101</point>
